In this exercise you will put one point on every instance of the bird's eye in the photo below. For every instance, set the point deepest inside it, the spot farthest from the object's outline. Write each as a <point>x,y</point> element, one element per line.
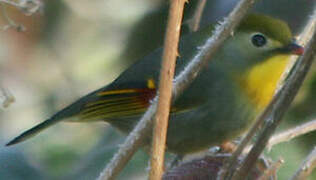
<point>258,40</point>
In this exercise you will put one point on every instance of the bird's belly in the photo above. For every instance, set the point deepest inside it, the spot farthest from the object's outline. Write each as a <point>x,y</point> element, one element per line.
<point>194,131</point>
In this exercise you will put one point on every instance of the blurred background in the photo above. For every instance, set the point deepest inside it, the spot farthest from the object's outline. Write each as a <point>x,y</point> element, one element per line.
<point>70,48</point>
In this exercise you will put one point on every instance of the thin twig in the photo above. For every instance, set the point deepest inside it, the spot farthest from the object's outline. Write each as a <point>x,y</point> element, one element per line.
<point>303,40</point>
<point>169,57</point>
<point>288,135</point>
<point>182,81</point>
<point>194,22</point>
<point>292,133</point>
<point>306,167</point>
<point>271,171</point>
<point>282,100</point>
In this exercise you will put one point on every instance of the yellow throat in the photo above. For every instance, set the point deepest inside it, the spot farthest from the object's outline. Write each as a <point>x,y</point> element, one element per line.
<point>260,82</point>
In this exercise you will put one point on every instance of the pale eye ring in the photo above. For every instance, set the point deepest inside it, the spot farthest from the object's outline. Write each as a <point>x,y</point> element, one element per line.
<point>258,40</point>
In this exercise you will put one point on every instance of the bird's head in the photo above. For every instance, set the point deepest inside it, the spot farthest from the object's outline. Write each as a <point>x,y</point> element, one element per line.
<point>257,39</point>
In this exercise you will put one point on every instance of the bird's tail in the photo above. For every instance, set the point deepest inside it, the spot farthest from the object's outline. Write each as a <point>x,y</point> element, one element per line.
<point>33,131</point>
<point>67,112</point>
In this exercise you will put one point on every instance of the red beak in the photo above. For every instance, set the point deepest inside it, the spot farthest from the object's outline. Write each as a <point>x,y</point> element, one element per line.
<point>294,48</point>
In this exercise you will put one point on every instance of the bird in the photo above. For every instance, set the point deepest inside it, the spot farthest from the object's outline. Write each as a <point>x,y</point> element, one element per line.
<point>220,104</point>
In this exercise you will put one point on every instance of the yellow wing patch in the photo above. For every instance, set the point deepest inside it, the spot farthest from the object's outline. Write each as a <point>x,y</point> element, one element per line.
<point>151,83</point>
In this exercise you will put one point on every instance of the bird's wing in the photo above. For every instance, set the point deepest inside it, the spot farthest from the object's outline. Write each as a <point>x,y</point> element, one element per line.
<point>117,103</point>
<point>122,102</point>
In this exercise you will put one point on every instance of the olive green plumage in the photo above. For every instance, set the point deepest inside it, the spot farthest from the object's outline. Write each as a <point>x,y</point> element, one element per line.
<point>274,28</point>
<point>215,108</point>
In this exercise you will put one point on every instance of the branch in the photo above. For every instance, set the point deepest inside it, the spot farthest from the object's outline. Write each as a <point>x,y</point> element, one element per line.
<point>272,116</point>
<point>194,23</point>
<point>306,167</point>
<point>143,127</point>
<point>288,135</point>
<point>169,57</point>
<point>272,170</point>
<point>292,133</point>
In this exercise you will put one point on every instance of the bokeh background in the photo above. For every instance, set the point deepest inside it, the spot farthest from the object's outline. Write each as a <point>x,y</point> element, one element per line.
<point>71,48</point>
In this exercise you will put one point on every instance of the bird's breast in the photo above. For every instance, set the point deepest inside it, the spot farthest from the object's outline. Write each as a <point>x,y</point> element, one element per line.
<point>260,82</point>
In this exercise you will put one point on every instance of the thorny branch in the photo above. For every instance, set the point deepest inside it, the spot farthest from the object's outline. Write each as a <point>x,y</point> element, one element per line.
<point>272,170</point>
<point>306,167</point>
<point>292,133</point>
<point>135,138</point>
<point>194,22</point>
<point>170,53</point>
<point>288,135</point>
